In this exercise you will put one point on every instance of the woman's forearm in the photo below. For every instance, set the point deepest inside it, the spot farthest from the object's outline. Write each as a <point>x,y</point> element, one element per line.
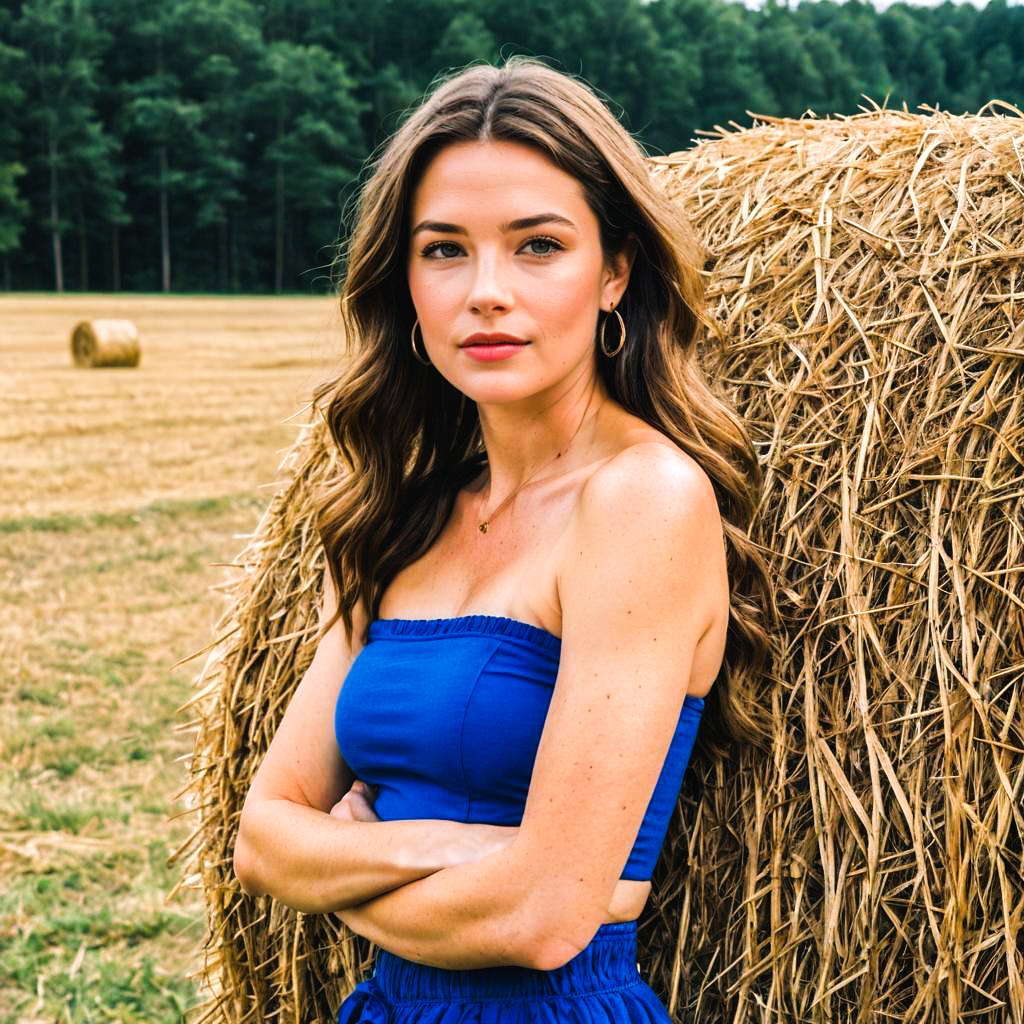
<point>316,863</point>
<point>479,914</point>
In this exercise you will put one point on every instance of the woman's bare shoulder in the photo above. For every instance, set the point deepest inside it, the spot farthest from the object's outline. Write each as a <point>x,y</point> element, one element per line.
<point>647,492</point>
<point>643,472</point>
<point>649,458</point>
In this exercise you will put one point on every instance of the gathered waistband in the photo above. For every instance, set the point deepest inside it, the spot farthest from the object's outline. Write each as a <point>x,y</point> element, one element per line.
<point>608,963</point>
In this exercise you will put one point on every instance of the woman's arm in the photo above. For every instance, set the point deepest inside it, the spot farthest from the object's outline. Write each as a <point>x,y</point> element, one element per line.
<point>290,846</point>
<point>315,863</point>
<point>476,914</point>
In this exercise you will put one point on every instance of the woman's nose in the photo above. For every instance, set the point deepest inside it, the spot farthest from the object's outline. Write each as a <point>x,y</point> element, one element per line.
<point>489,289</point>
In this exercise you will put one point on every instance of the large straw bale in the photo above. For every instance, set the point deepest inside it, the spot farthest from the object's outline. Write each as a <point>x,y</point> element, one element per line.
<point>868,274</point>
<point>102,343</point>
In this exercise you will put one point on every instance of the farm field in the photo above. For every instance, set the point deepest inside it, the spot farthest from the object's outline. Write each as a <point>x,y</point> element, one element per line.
<point>120,490</point>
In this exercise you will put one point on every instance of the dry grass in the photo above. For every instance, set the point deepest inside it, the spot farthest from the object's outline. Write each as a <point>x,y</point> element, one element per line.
<point>191,420</point>
<point>868,280</point>
<point>119,489</point>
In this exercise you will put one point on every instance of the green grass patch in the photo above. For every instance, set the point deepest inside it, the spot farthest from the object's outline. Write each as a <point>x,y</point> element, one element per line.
<point>39,695</point>
<point>115,667</point>
<point>37,815</point>
<point>67,523</point>
<point>57,729</point>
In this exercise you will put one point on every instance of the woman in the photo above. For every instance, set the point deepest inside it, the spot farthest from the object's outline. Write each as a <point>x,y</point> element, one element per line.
<point>529,557</point>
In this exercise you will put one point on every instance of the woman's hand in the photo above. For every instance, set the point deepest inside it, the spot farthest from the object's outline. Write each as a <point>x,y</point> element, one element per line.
<point>474,842</point>
<point>356,804</point>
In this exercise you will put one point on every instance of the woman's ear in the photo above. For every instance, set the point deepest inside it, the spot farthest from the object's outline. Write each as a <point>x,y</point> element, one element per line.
<point>617,270</point>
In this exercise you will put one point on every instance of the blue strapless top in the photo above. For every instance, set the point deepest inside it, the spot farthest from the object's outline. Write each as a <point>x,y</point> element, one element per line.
<point>444,717</point>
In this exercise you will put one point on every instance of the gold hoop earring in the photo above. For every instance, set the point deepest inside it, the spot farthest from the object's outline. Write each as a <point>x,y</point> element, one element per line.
<point>412,336</point>
<point>622,333</point>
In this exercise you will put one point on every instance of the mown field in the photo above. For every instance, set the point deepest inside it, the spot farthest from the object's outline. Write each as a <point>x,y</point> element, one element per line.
<point>120,492</point>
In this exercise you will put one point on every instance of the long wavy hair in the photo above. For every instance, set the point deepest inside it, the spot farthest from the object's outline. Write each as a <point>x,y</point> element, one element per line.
<point>410,440</point>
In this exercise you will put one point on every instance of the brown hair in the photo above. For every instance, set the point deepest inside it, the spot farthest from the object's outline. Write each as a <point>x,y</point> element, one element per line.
<point>409,439</point>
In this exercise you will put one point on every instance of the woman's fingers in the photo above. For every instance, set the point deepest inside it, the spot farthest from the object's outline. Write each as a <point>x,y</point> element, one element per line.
<point>363,809</point>
<point>368,791</point>
<point>354,806</point>
<point>342,810</point>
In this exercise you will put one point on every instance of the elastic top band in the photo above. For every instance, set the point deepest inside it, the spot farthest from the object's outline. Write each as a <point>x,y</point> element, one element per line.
<point>608,964</point>
<point>462,625</point>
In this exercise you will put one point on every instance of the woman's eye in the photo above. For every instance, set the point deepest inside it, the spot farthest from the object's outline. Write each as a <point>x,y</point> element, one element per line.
<point>435,246</point>
<point>553,246</point>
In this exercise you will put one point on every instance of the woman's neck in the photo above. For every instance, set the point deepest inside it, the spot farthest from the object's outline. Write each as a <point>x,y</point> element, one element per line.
<point>522,445</point>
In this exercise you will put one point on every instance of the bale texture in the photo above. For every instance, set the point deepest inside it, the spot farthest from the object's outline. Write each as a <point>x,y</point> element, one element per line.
<point>105,343</point>
<point>867,274</point>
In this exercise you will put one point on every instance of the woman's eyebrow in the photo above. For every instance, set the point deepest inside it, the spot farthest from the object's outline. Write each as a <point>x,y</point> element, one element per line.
<point>514,225</point>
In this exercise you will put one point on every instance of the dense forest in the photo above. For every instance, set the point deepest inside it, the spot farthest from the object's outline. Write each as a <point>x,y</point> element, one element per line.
<point>216,145</point>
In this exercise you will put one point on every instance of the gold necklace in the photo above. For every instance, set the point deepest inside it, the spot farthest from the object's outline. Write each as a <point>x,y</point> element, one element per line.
<point>487,521</point>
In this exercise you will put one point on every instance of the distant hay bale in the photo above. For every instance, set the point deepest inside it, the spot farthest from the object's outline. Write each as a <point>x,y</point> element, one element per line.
<point>105,343</point>
<point>868,276</point>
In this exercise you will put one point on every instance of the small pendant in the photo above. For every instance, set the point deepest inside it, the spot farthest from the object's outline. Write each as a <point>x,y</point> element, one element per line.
<point>483,526</point>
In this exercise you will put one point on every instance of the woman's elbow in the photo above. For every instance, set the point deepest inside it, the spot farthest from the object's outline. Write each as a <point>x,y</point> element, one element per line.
<point>549,942</point>
<point>246,862</point>
<point>549,953</point>
<point>245,869</point>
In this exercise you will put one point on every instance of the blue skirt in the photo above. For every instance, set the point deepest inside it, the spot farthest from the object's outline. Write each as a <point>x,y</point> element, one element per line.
<point>600,985</point>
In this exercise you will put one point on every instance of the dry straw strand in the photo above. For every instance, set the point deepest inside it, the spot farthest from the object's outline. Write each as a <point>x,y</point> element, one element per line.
<point>867,277</point>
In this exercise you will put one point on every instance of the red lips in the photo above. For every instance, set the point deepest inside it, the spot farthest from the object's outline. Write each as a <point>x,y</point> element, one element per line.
<point>491,339</point>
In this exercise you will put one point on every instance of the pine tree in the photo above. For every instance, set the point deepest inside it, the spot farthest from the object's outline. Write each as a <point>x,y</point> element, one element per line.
<point>314,142</point>
<point>62,46</point>
<point>13,206</point>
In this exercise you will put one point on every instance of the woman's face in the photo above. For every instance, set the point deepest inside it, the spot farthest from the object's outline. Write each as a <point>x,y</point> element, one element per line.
<point>503,241</point>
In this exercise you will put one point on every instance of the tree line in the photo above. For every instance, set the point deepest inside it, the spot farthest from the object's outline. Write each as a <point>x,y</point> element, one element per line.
<point>216,145</point>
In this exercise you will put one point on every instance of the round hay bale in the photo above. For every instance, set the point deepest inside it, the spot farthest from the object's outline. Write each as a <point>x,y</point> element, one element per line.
<point>105,343</point>
<point>867,275</point>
